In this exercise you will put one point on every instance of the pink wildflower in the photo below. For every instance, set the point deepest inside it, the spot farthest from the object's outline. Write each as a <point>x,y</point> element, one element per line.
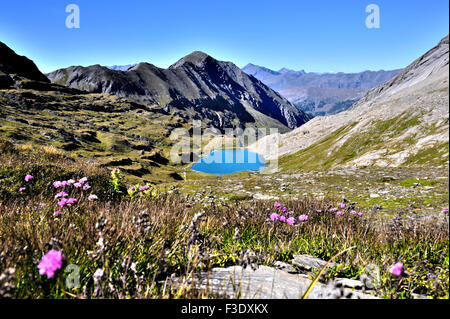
<point>360,214</point>
<point>70,181</point>
<point>353,212</point>
<point>303,218</point>
<point>339,213</point>
<point>333,210</point>
<point>277,205</point>
<point>77,185</point>
<point>71,201</point>
<point>21,189</point>
<point>28,178</point>
<point>61,194</point>
<point>291,221</point>
<point>397,269</point>
<point>318,210</point>
<point>86,187</point>
<point>57,213</point>
<point>133,188</point>
<point>342,205</point>
<point>143,188</point>
<point>63,202</point>
<point>50,263</point>
<point>445,210</point>
<point>83,180</point>
<point>92,197</point>
<point>64,183</point>
<point>274,216</point>
<point>283,219</point>
<point>57,184</point>
<point>284,209</point>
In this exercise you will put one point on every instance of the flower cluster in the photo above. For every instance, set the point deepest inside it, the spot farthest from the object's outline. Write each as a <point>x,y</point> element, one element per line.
<point>342,209</point>
<point>282,215</point>
<point>63,197</point>
<point>27,178</point>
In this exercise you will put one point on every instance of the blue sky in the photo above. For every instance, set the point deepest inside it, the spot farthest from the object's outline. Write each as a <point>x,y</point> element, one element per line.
<point>318,36</point>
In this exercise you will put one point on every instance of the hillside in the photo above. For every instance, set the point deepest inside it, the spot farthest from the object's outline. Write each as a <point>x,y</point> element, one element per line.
<point>402,122</point>
<point>100,128</point>
<point>196,87</point>
<point>320,93</point>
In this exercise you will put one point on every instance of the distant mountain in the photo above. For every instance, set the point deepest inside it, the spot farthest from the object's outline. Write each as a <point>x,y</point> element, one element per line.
<point>320,94</point>
<point>403,122</point>
<point>120,67</point>
<point>197,86</point>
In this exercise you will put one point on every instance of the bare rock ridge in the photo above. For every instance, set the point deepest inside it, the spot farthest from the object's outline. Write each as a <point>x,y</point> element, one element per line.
<point>197,86</point>
<point>320,93</point>
<point>401,122</point>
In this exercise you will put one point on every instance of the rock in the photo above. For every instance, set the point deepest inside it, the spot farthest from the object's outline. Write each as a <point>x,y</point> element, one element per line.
<point>285,267</point>
<point>374,195</point>
<point>309,263</point>
<point>349,283</point>
<point>263,283</point>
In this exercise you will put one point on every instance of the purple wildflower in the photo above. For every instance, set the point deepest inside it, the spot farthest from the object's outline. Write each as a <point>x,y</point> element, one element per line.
<point>143,188</point>
<point>21,189</point>
<point>445,210</point>
<point>284,209</point>
<point>291,221</point>
<point>339,213</point>
<point>360,214</point>
<point>397,269</point>
<point>353,212</point>
<point>277,205</point>
<point>28,178</point>
<point>333,210</point>
<point>283,219</point>
<point>50,263</point>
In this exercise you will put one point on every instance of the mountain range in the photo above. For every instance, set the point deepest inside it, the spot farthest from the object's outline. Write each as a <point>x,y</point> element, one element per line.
<point>402,122</point>
<point>320,93</point>
<point>195,87</point>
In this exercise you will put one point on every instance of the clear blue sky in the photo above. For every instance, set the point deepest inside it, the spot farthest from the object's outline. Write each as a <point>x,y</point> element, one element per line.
<point>319,35</point>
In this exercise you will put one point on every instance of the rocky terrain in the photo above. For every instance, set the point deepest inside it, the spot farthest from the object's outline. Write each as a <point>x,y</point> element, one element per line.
<point>320,93</point>
<point>195,87</point>
<point>402,122</point>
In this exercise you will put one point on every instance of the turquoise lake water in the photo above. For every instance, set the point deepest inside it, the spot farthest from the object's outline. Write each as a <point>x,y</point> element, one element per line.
<point>222,162</point>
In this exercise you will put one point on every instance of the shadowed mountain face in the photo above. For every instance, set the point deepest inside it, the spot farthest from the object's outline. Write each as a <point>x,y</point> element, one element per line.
<point>197,86</point>
<point>13,67</point>
<point>320,94</point>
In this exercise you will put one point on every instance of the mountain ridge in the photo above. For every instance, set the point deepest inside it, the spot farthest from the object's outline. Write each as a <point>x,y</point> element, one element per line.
<point>320,93</point>
<point>196,86</point>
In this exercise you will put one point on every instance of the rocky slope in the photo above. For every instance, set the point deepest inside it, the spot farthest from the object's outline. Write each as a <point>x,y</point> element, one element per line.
<point>320,94</point>
<point>197,86</point>
<point>402,122</point>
